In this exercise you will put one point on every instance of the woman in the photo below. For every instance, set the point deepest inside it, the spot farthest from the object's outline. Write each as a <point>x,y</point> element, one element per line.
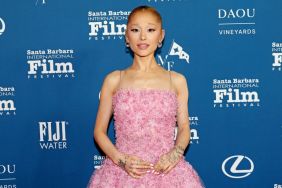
<point>146,101</point>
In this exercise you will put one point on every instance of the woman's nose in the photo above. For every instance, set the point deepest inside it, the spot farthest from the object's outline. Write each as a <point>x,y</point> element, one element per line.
<point>142,35</point>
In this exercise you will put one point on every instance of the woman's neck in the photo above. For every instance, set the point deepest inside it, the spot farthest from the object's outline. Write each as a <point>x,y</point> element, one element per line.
<point>144,64</point>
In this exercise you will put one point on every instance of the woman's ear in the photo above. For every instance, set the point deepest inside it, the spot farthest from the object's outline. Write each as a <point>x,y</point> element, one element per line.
<point>126,38</point>
<point>162,35</point>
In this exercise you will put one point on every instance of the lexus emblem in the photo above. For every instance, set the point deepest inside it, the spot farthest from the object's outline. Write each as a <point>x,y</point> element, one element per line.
<point>234,171</point>
<point>2,26</point>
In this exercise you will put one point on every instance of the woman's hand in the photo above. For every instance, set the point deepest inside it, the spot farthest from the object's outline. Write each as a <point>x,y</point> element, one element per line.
<point>135,166</point>
<point>168,160</point>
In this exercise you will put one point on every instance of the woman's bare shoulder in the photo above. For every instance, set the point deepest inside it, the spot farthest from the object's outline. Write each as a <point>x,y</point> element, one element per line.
<point>112,79</point>
<point>178,79</point>
<point>179,82</point>
<point>113,75</point>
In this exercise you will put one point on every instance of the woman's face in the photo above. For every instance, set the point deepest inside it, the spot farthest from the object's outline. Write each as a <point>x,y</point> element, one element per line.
<point>144,32</point>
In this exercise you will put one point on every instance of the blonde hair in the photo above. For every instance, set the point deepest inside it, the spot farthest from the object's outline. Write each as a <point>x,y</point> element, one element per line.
<point>142,9</point>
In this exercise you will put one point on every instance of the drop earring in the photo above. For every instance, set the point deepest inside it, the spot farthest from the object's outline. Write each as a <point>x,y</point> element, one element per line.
<point>160,44</point>
<point>127,44</point>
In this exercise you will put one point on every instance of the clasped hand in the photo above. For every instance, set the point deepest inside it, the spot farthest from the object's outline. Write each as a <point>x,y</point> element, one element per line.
<point>136,167</point>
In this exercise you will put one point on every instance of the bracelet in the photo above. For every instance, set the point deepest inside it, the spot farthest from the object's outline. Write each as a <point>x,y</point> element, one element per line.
<point>122,163</point>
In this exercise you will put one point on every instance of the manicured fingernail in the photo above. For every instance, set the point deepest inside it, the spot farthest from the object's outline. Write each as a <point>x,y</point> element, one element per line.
<point>162,175</point>
<point>152,171</point>
<point>148,171</point>
<point>152,164</point>
<point>152,167</point>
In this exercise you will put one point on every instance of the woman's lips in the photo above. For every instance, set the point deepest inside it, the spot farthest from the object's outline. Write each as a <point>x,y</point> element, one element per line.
<point>142,46</point>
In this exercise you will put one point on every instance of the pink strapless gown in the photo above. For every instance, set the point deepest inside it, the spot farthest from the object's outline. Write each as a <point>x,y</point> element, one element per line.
<point>145,120</point>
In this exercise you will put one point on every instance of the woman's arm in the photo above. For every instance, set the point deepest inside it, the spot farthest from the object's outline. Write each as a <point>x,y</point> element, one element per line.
<point>103,116</point>
<point>169,160</point>
<point>133,165</point>
<point>183,132</point>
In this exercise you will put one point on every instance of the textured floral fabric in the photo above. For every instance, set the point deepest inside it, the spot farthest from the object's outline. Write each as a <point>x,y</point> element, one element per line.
<point>145,121</point>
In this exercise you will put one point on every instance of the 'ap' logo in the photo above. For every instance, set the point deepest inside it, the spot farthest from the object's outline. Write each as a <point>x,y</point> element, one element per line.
<point>2,26</point>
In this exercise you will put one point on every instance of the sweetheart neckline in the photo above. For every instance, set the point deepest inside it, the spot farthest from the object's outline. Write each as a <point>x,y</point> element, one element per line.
<point>145,89</point>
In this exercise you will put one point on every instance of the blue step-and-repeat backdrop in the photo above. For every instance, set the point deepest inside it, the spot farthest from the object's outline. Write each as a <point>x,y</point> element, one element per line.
<point>54,56</point>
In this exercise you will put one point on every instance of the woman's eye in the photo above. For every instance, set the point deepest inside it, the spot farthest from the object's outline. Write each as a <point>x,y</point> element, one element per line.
<point>151,30</point>
<point>134,30</point>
